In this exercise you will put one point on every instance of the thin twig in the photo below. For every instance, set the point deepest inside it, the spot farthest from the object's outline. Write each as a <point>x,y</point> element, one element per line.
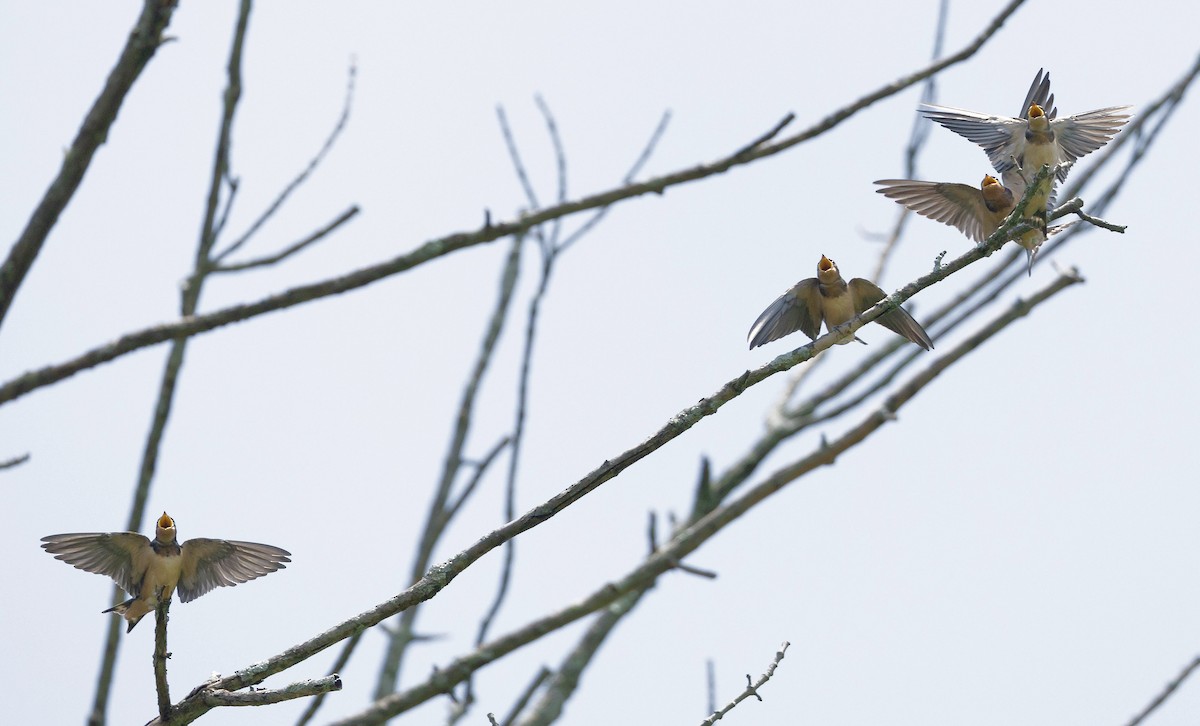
<point>489,232</point>
<point>916,142</point>
<point>647,152</point>
<point>560,165</point>
<point>523,700</point>
<point>770,134</point>
<point>685,541</point>
<point>189,300</point>
<point>144,40</point>
<point>1162,697</point>
<point>299,178</point>
<point>751,687</point>
<point>338,666</point>
<point>15,461</point>
<point>441,510</point>
<point>710,678</point>
<point>292,249</point>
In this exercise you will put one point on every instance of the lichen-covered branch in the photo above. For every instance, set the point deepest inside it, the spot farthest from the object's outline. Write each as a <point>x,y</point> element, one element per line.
<point>687,539</point>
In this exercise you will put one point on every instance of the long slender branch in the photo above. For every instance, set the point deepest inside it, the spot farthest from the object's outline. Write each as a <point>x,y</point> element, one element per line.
<point>189,300</point>
<point>685,541</point>
<point>144,40</point>
<point>1166,692</point>
<point>435,248</point>
<point>689,538</point>
<point>916,142</point>
<point>300,178</point>
<point>441,510</point>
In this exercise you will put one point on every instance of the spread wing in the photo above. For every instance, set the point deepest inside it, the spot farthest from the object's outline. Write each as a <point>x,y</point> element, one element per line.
<point>209,563</point>
<point>797,309</point>
<point>957,205</point>
<point>1001,137</point>
<point>1083,133</point>
<point>865,294</point>
<point>110,554</point>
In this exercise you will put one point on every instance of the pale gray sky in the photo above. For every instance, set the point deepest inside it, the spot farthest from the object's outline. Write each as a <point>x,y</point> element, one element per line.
<point>1020,547</point>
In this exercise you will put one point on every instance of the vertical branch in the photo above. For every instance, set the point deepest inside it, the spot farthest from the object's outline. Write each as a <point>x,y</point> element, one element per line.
<point>143,41</point>
<point>161,655</point>
<point>441,509</point>
<point>190,298</point>
<point>916,141</point>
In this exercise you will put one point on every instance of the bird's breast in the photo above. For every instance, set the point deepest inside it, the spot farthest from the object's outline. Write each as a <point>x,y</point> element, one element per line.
<point>163,569</point>
<point>837,307</point>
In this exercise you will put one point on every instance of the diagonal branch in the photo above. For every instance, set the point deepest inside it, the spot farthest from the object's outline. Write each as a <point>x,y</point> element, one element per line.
<point>562,685</point>
<point>300,178</point>
<point>1162,697</point>
<point>685,541</point>
<point>442,508</point>
<point>751,688</point>
<point>292,249</point>
<point>144,41</point>
<point>447,244</point>
<point>689,538</point>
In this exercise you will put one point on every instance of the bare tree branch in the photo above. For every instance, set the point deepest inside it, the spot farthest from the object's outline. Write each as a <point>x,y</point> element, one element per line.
<point>522,700</point>
<point>202,700</point>
<point>565,680</point>
<point>189,300</point>
<point>144,40</point>
<point>916,142</point>
<point>432,249</point>
<point>291,249</point>
<point>685,541</point>
<point>751,687</point>
<point>15,461</point>
<point>161,687</point>
<point>441,509</point>
<point>1162,697</point>
<point>300,178</point>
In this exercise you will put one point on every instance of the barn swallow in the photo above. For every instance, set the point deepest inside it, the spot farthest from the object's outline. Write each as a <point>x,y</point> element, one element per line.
<point>830,298</point>
<point>974,212</point>
<point>1036,138</point>
<point>977,213</point>
<point>150,571</point>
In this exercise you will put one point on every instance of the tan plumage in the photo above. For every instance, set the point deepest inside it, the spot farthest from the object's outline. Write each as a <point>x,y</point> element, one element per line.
<point>829,298</point>
<point>1019,147</point>
<point>974,212</point>
<point>144,567</point>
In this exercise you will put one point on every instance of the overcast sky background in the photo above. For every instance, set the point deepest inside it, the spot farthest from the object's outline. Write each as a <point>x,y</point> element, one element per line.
<point>1020,547</point>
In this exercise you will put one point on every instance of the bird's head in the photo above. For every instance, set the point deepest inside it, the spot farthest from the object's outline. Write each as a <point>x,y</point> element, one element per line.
<point>827,270</point>
<point>996,197</point>
<point>164,528</point>
<point>1037,117</point>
